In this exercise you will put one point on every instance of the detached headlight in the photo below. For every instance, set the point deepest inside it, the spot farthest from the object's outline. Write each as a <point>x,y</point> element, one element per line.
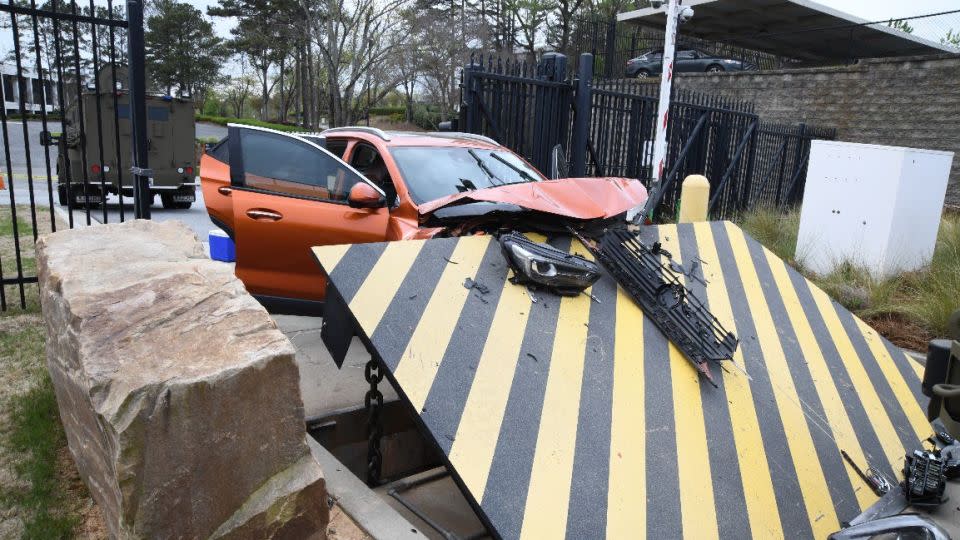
<point>544,265</point>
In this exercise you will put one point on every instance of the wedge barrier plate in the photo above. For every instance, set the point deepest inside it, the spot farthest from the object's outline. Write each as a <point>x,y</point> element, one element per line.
<point>576,418</point>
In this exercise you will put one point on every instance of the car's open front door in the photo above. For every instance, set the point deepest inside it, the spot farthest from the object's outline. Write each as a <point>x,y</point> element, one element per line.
<point>290,194</point>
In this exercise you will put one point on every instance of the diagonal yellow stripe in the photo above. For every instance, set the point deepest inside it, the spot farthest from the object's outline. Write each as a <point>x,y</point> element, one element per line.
<point>916,367</point>
<point>420,361</point>
<point>697,507</point>
<point>383,282</point>
<point>473,447</point>
<point>840,425</point>
<point>758,489</point>
<point>330,256</point>
<point>901,390</point>
<point>627,491</point>
<point>548,496</point>
<point>813,484</point>
<point>872,404</point>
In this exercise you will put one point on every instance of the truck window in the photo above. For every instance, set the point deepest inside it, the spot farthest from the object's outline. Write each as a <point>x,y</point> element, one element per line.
<point>158,114</point>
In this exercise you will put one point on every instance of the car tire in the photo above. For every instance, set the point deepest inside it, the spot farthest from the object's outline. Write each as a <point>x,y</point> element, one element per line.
<point>715,68</point>
<point>170,204</point>
<point>642,74</point>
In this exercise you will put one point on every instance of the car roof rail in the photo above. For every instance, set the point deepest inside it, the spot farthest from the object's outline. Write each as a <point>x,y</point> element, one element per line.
<point>462,135</point>
<point>364,129</point>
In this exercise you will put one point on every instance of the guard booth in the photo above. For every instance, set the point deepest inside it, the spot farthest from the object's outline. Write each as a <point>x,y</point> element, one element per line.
<point>575,417</point>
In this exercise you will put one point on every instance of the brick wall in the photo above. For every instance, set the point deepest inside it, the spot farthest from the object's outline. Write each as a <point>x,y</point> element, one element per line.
<point>912,102</point>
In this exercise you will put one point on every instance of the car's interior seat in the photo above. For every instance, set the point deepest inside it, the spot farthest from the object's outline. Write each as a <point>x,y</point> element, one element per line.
<point>377,173</point>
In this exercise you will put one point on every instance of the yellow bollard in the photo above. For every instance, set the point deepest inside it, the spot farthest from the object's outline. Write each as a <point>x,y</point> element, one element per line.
<point>694,199</point>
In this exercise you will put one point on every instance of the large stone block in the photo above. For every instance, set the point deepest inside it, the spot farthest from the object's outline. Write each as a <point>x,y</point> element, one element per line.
<point>178,393</point>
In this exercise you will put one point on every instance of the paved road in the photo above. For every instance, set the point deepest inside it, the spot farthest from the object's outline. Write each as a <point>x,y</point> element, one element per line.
<point>18,154</point>
<point>196,217</point>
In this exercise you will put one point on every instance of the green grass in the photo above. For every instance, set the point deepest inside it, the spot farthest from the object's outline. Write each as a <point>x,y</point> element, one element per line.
<point>31,435</point>
<point>6,224</point>
<point>925,298</point>
<point>35,436</point>
<point>223,120</point>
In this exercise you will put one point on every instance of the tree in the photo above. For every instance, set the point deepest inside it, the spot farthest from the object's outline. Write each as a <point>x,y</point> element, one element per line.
<point>354,38</point>
<point>531,15</point>
<point>560,31</point>
<point>238,90</point>
<point>901,25</point>
<point>952,39</point>
<point>182,52</point>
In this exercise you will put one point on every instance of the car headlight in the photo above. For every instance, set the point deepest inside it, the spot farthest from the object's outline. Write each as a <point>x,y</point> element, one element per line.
<point>544,265</point>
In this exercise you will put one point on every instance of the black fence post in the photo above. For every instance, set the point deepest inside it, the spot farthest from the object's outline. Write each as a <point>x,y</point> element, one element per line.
<point>634,139</point>
<point>469,108</point>
<point>551,68</point>
<point>611,48</point>
<point>581,118</point>
<point>138,111</point>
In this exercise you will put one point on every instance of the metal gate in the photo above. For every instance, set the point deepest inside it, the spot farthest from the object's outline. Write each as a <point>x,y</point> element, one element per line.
<point>74,80</point>
<point>607,129</point>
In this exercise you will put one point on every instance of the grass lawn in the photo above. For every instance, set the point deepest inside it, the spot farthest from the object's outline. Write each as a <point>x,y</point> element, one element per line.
<point>909,309</point>
<point>41,495</point>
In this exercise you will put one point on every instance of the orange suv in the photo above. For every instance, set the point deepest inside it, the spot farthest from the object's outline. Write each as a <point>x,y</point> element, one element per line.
<point>277,194</point>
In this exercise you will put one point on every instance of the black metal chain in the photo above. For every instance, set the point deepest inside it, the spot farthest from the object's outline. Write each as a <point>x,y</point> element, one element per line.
<point>373,401</point>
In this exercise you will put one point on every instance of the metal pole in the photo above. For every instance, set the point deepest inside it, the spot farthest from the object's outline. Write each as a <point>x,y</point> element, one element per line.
<point>666,80</point>
<point>138,111</point>
<point>581,119</point>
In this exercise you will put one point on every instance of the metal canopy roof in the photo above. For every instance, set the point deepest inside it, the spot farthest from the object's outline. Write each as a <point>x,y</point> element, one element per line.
<point>791,28</point>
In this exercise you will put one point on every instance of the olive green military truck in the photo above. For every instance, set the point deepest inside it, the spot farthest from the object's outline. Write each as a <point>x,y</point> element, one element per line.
<point>86,175</point>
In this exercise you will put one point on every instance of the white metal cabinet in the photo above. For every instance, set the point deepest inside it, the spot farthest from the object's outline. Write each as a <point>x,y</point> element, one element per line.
<point>878,207</point>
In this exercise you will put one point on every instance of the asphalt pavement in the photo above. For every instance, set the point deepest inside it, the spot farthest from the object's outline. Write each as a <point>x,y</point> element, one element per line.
<point>41,188</point>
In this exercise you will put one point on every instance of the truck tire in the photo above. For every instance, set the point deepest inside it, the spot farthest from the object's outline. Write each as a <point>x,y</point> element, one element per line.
<point>62,196</point>
<point>170,204</point>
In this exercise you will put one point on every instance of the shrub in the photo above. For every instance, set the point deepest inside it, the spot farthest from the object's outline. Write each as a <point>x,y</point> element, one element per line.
<point>223,120</point>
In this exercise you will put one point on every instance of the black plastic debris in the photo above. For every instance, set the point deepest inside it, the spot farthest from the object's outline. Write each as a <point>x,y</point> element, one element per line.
<point>923,478</point>
<point>476,285</point>
<point>676,311</point>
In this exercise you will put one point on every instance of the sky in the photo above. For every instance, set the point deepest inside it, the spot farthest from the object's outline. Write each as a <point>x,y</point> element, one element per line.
<point>871,10</point>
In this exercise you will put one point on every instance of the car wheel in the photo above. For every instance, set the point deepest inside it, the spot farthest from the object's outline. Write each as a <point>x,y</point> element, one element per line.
<point>642,74</point>
<point>715,69</point>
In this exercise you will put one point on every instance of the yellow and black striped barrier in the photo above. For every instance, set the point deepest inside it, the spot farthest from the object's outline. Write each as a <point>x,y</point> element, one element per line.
<point>575,417</point>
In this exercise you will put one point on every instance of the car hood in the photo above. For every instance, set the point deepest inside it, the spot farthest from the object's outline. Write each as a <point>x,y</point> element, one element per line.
<point>578,198</point>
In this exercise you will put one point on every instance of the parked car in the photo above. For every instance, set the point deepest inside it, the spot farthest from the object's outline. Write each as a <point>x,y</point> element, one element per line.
<point>277,194</point>
<point>685,60</point>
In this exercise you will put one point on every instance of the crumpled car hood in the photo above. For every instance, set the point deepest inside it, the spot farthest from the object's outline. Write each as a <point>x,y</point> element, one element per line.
<point>578,198</point>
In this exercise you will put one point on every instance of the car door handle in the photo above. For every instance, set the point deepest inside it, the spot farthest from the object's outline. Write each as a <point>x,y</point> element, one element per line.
<point>224,191</point>
<point>264,215</point>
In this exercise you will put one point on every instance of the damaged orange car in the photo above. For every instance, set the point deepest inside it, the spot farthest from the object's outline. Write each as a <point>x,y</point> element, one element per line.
<point>277,194</point>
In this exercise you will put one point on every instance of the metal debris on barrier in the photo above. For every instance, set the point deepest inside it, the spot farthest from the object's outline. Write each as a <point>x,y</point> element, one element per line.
<point>656,287</point>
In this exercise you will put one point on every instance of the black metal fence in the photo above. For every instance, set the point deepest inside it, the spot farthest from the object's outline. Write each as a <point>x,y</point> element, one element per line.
<point>62,52</point>
<point>607,127</point>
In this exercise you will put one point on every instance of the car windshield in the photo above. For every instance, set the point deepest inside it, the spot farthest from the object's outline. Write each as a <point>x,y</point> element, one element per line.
<point>435,172</point>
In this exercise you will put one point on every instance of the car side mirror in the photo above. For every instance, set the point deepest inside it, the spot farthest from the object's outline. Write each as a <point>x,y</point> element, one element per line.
<point>362,195</point>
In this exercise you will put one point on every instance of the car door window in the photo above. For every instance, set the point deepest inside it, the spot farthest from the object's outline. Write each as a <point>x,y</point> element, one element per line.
<point>686,55</point>
<point>284,165</point>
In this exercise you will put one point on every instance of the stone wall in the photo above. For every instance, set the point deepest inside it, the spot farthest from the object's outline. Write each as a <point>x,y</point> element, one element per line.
<point>179,396</point>
<point>913,102</point>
